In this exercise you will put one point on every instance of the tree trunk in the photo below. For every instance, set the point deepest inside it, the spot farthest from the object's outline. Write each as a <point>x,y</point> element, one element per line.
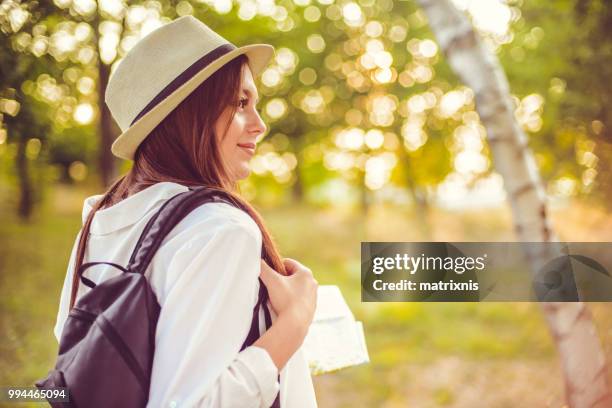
<point>105,123</point>
<point>24,209</point>
<point>582,358</point>
<point>107,160</point>
<point>419,196</point>
<point>297,189</point>
<point>364,193</point>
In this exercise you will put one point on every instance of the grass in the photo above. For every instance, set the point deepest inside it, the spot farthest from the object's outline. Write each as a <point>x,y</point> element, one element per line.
<point>422,354</point>
<point>33,258</point>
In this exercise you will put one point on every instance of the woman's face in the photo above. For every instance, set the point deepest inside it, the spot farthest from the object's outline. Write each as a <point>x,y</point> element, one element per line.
<point>237,144</point>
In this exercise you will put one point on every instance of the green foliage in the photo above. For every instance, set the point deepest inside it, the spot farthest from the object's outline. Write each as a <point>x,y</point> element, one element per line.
<point>325,75</point>
<point>568,67</point>
<point>33,259</point>
<point>557,50</point>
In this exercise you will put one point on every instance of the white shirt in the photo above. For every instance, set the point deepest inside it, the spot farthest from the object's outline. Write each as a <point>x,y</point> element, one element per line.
<point>205,277</point>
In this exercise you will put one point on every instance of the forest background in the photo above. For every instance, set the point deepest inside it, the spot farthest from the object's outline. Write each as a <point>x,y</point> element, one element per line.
<point>372,137</point>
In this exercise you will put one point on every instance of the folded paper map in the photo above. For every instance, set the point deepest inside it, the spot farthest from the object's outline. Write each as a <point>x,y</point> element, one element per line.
<point>335,340</point>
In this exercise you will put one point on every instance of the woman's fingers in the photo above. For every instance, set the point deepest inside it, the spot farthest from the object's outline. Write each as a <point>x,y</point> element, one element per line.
<point>292,266</point>
<point>267,273</point>
<point>295,294</point>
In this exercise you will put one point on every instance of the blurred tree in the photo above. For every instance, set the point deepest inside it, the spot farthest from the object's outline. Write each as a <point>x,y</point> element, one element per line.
<point>565,74</point>
<point>24,118</point>
<point>357,95</point>
<point>571,324</point>
<point>104,26</point>
<point>590,83</point>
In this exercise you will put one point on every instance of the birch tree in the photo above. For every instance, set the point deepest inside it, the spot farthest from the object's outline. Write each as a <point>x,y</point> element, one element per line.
<point>571,325</point>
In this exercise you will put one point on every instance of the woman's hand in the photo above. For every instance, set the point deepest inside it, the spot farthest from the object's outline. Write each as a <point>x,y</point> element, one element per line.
<point>293,298</point>
<point>295,294</point>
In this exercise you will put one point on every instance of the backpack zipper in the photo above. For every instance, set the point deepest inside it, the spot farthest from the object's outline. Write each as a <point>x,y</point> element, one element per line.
<point>82,314</point>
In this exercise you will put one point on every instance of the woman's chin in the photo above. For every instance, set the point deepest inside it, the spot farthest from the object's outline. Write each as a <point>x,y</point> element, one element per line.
<point>242,173</point>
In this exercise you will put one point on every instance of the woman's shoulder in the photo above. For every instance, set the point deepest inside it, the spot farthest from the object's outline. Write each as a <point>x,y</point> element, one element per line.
<point>218,216</point>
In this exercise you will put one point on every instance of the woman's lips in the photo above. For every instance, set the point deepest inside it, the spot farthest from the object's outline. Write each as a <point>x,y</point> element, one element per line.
<point>250,147</point>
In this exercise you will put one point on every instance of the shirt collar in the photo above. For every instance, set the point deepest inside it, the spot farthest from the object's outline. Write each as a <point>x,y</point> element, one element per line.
<point>130,210</point>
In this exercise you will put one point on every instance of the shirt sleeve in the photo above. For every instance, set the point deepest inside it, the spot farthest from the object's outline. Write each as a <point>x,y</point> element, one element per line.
<point>204,320</point>
<point>62,312</point>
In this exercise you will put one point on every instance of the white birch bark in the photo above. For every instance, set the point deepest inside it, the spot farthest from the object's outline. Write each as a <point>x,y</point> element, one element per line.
<point>582,359</point>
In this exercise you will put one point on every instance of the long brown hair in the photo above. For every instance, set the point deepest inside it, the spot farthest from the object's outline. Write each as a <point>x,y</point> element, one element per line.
<point>184,149</point>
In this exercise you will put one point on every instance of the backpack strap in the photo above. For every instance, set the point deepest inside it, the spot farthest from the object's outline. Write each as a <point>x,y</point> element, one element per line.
<point>168,216</point>
<point>89,282</point>
<point>254,331</point>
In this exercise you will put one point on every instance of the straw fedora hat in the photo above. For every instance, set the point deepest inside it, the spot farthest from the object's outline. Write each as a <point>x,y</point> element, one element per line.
<point>162,69</point>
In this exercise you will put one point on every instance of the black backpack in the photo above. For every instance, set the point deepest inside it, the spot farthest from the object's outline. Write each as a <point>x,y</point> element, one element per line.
<point>108,340</point>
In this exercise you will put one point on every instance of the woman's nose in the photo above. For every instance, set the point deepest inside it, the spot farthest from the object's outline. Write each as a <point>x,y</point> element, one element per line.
<point>257,125</point>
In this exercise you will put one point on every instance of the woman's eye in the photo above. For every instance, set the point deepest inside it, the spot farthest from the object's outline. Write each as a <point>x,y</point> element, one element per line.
<point>243,102</point>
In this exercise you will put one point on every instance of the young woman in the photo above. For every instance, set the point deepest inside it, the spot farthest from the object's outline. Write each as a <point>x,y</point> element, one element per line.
<point>204,127</point>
